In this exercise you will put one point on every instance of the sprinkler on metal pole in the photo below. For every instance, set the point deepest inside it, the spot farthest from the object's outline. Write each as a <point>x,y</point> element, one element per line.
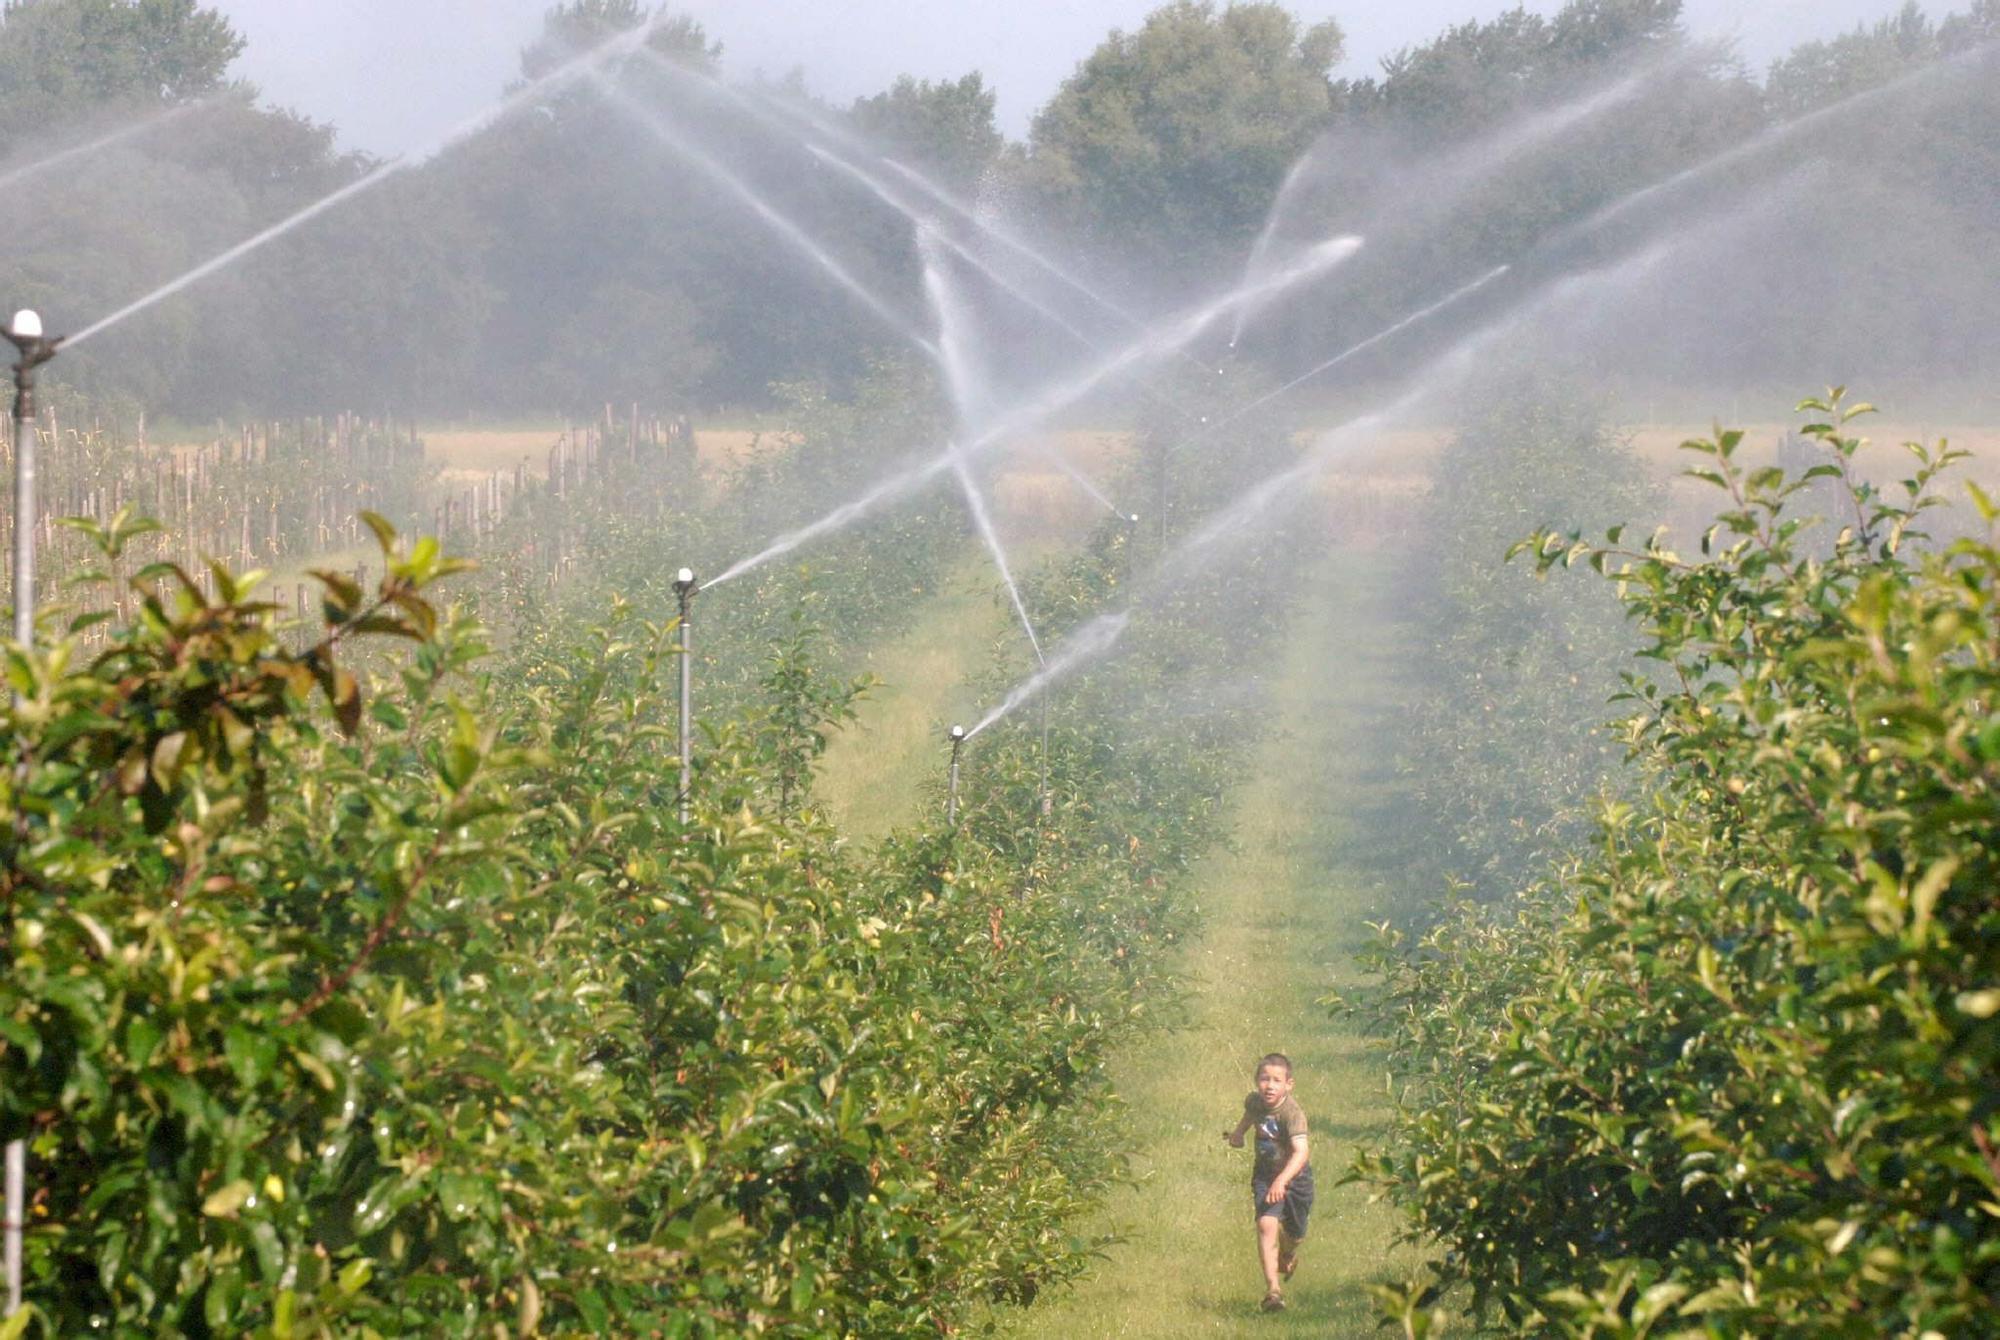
<point>1046,802</point>
<point>951,783</point>
<point>25,332</point>
<point>684,588</point>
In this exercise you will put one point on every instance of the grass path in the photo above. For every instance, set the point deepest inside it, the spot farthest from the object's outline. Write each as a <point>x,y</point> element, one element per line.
<point>874,772</point>
<point>1284,915</point>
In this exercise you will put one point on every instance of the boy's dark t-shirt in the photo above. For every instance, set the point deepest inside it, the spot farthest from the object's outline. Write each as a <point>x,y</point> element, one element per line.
<point>1277,1129</point>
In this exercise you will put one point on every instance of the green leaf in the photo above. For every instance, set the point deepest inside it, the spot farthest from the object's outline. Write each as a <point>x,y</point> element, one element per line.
<point>228,1201</point>
<point>252,1053</point>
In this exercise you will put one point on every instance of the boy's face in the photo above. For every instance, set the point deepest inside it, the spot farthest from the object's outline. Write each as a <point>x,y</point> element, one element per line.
<point>1274,1084</point>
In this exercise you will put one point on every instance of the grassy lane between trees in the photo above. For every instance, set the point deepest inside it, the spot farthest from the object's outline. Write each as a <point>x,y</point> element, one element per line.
<point>874,771</point>
<point>1284,915</point>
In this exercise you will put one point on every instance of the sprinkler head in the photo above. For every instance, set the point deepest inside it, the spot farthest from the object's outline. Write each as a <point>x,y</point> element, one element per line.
<point>1132,520</point>
<point>684,581</point>
<point>25,333</point>
<point>958,735</point>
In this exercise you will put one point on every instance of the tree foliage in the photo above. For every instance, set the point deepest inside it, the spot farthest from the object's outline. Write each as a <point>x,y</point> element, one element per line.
<point>943,127</point>
<point>1173,139</point>
<point>1728,1072</point>
<point>1506,738</point>
<point>360,990</point>
<point>61,60</point>
<point>1479,71</point>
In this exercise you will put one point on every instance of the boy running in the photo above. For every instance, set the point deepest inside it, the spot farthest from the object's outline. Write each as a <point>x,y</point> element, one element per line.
<point>1281,1183</point>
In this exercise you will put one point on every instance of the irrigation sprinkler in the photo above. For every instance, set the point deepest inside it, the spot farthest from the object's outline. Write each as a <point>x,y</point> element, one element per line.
<point>951,781</point>
<point>684,588</point>
<point>1044,802</point>
<point>25,333</point>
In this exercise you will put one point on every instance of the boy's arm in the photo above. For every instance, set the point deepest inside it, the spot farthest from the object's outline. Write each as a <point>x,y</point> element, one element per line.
<point>1289,1171</point>
<point>1235,1137</point>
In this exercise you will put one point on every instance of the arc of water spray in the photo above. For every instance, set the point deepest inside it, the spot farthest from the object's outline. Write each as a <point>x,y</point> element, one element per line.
<point>1771,137</point>
<point>929,236</point>
<point>130,130</point>
<point>1231,519</point>
<point>935,192</point>
<point>1076,476</point>
<point>1173,335</point>
<point>1561,119</point>
<point>843,155</point>
<point>956,365</point>
<point>1168,339</point>
<point>887,196</point>
<point>1087,643</point>
<point>791,232</point>
<point>1480,160</point>
<point>751,98</point>
<point>671,136</point>
<point>472,125</point>
<point>927,226</point>
<point>1269,233</point>
<point>1007,238</point>
<point>899,485</point>
<point>1456,295</point>
<point>1098,636</point>
<point>975,502</point>
<point>1028,300</point>
<point>208,267</point>
<point>800,239</point>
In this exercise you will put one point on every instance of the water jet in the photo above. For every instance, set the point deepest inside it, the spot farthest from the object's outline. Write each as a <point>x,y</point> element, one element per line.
<point>369,180</point>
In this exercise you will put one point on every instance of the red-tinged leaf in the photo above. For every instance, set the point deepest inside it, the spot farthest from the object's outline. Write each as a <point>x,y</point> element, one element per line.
<point>387,625</point>
<point>345,696</point>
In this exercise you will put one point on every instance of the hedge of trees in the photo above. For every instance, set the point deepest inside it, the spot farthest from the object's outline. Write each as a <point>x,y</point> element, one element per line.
<point>1506,683</point>
<point>373,985</point>
<point>1726,1070</point>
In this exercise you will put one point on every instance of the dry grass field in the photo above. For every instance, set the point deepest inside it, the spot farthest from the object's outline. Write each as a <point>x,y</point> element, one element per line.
<point>473,453</point>
<point>1371,489</point>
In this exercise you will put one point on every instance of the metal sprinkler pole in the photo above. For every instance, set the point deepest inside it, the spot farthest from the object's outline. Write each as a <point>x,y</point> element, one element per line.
<point>951,782</point>
<point>684,588</point>
<point>1044,801</point>
<point>25,333</point>
<point>17,1189</point>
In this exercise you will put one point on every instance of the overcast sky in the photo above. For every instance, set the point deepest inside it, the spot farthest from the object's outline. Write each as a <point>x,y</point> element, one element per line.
<point>392,73</point>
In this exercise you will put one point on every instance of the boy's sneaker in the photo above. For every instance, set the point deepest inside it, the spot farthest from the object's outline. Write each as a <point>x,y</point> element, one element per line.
<point>1273,1302</point>
<point>1288,1262</point>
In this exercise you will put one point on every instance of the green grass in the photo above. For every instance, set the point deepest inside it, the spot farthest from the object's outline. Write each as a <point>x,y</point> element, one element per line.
<point>1284,916</point>
<point>875,772</point>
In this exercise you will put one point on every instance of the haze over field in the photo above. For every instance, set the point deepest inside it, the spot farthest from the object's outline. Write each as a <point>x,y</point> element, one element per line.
<point>389,75</point>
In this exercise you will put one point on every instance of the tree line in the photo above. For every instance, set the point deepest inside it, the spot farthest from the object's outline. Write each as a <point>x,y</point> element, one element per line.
<point>563,258</point>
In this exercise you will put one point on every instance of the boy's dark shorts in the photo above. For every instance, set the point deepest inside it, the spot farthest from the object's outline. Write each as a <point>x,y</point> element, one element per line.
<point>1292,1211</point>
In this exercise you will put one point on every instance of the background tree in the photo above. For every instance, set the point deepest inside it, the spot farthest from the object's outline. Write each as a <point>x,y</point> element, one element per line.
<point>945,128</point>
<point>66,59</point>
<point>1170,142</point>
